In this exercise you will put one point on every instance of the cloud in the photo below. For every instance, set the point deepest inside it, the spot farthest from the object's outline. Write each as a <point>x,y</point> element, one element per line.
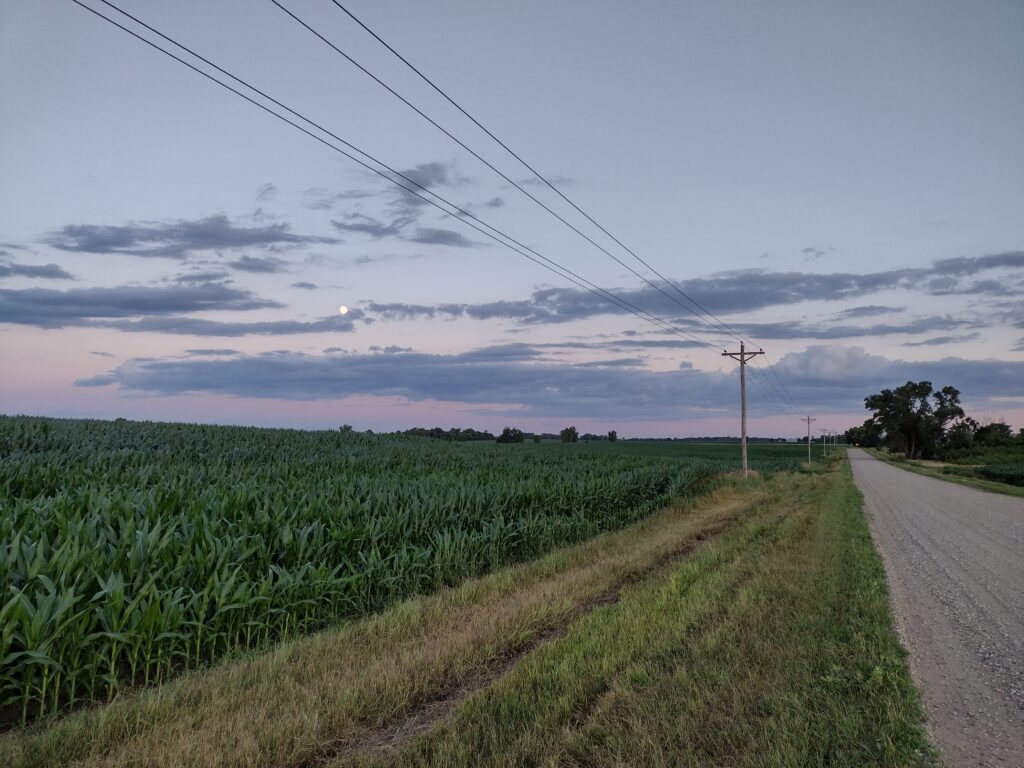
<point>431,236</point>
<point>495,202</point>
<point>175,239</point>
<point>937,341</point>
<point>434,175</point>
<point>749,290</point>
<point>367,225</point>
<point>259,264</point>
<point>265,192</point>
<point>321,199</point>
<point>504,375</point>
<point>813,252</point>
<point>556,180</point>
<point>854,370</point>
<point>817,331</point>
<point>101,354</point>
<point>211,352</point>
<point>822,378</point>
<point>304,285</point>
<point>869,310</point>
<point>201,277</point>
<point>48,308</point>
<point>45,271</point>
<point>194,326</point>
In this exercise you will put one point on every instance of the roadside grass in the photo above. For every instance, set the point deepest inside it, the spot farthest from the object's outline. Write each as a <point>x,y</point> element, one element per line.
<point>748,627</point>
<point>773,646</point>
<point>953,473</point>
<point>286,705</point>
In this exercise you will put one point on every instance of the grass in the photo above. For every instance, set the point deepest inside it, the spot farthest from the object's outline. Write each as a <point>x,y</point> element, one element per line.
<point>748,628</point>
<point>953,473</point>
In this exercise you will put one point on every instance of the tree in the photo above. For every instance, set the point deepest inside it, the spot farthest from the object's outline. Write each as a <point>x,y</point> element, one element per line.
<point>569,435</point>
<point>510,435</point>
<point>868,435</point>
<point>909,421</point>
<point>536,438</point>
<point>995,434</point>
<point>612,435</point>
<point>960,435</point>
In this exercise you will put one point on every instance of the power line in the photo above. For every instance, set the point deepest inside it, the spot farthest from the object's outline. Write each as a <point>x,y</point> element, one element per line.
<point>534,171</point>
<point>505,177</point>
<point>392,175</point>
<point>549,264</point>
<point>721,326</point>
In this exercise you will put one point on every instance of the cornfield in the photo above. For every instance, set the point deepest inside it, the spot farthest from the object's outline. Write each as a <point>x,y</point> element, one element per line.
<point>132,551</point>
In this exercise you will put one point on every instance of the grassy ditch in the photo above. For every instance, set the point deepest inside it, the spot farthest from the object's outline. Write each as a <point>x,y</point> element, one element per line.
<point>748,628</point>
<point>953,473</point>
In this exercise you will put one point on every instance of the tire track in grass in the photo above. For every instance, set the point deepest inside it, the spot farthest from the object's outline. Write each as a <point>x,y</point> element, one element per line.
<point>402,731</point>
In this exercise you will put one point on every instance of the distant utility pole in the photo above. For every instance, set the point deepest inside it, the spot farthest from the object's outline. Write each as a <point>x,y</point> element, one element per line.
<point>824,445</point>
<point>808,419</point>
<point>743,356</point>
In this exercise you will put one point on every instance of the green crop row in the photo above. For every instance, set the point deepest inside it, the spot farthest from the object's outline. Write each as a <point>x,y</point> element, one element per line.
<point>1012,474</point>
<point>130,551</point>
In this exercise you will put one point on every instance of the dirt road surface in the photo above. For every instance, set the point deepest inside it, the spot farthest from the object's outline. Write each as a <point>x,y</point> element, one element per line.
<point>955,562</point>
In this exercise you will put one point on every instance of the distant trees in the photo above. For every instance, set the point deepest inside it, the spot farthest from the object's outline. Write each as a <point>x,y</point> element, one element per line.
<point>912,418</point>
<point>569,435</point>
<point>869,435</point>
<point>994,435</point>
<point>612,435</point>
<point>455,434</point>
<point>510,435</point>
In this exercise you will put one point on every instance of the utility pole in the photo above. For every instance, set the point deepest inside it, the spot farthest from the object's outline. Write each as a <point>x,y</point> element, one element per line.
<point>808,419</point>
<point>743,356</point>
<point>824,449</point>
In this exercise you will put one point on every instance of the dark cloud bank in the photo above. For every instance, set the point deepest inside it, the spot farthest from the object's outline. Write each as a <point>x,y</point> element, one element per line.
<point>822,378</point>
<point>175,239</point>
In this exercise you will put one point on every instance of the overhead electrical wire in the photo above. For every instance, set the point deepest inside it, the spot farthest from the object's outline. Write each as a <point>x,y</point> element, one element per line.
<point>495,233</point>
<point>718,324</point>
<point>504,176</point>
<point>721,324</point>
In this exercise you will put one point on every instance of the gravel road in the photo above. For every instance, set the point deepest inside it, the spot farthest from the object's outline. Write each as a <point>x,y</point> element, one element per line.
<point>955,561</point>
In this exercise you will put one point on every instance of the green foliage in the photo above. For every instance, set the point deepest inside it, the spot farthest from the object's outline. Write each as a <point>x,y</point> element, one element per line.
<point>569,435</point>
<point>510,435</point>
<point>1012,474</point>
<point>130,551</point>
<point>613,436</point>
<point>455,434</point>
<point>994,434</point>
<point>910,422</point>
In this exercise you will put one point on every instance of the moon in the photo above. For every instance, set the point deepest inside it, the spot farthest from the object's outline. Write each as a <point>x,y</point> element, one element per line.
<point>343,310</point>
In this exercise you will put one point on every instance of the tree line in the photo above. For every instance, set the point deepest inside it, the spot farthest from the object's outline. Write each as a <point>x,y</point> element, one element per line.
<point>509,435</point>
<point>924,423</point>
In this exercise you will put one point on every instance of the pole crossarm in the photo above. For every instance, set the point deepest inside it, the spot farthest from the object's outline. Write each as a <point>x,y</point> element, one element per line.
<point>742,357</point>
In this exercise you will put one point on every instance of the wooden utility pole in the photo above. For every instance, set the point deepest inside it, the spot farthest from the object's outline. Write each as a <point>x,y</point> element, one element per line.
<point>808,419</point>
<point>743,356</point>
<point>824,445</point>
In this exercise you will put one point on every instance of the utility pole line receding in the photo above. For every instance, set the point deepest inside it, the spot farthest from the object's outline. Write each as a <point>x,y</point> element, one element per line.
<point>808,419</point>
<point>743,356</point>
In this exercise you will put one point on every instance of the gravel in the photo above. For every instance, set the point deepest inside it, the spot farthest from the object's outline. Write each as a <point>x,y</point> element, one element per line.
<point>954,557</point>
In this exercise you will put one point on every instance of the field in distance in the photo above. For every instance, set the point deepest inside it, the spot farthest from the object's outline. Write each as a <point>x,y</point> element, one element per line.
<point>134,551</point>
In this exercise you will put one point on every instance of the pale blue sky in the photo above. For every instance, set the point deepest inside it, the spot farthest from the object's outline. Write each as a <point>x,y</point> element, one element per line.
<point>866,158</point>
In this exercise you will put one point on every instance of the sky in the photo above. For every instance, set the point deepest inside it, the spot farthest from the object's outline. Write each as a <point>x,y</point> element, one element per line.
<point>840,184</point>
